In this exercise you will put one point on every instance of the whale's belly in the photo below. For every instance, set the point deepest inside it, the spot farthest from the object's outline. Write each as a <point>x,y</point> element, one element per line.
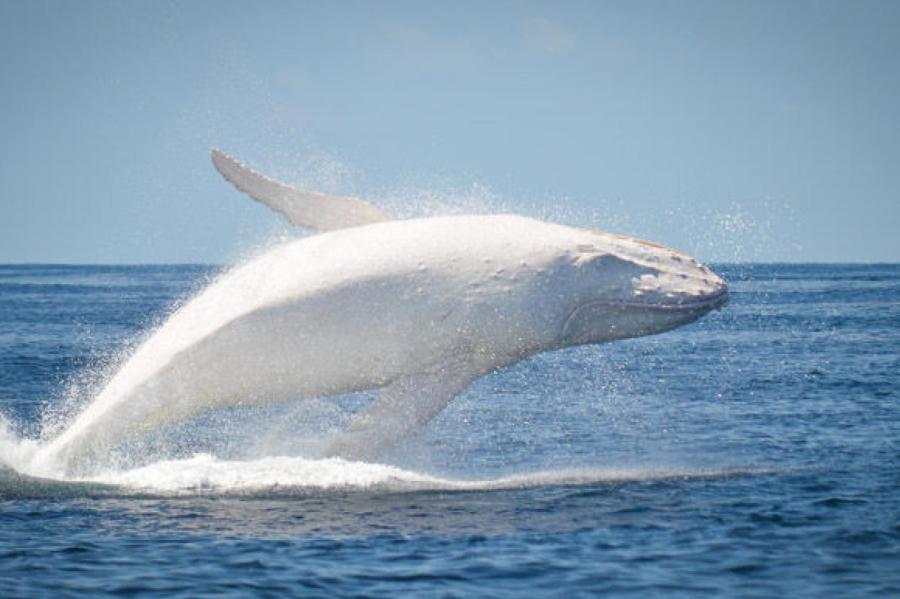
<point>329,344</point>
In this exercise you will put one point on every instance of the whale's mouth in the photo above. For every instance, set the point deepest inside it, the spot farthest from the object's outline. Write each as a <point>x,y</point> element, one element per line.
<point>713,301</point>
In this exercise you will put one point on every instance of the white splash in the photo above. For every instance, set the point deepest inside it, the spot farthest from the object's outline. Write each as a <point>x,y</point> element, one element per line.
<point>207,475</point>
<point>15,452</point>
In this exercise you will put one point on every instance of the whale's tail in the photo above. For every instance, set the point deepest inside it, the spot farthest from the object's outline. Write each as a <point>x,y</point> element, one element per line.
<point>309,209</point>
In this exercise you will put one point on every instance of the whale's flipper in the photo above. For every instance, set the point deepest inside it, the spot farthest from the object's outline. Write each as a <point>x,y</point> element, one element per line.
<point>404,407</point>
<point>303,208</point>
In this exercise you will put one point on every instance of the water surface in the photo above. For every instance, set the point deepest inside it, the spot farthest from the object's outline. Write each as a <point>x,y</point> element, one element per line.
<point>752,453</point>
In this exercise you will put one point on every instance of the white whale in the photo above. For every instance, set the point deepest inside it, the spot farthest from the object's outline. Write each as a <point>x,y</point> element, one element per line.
<point>419,308</point>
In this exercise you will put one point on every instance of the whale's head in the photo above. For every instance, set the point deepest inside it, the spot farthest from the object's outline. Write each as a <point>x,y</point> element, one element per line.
<point>627,287</point>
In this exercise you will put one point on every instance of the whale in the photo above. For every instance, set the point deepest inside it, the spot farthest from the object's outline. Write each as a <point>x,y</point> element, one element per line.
<point>416,308</point>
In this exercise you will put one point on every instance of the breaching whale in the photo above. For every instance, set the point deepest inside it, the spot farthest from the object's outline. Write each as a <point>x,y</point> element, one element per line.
<point>418,308</point>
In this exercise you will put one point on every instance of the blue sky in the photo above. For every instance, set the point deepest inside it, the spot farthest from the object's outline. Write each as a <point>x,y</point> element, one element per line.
<point>732,130</point>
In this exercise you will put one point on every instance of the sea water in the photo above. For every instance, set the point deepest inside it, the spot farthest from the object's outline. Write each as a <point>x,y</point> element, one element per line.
<point>752,453</point>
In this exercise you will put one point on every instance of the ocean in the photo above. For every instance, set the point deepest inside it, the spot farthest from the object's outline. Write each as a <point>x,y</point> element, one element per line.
<point>753,453</point>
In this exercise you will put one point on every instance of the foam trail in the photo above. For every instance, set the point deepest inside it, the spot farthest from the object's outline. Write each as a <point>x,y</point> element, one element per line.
<point>205,474</point>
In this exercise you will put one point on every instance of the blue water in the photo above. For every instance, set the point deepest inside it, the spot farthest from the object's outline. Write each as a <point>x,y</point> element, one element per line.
<point>752,453</point>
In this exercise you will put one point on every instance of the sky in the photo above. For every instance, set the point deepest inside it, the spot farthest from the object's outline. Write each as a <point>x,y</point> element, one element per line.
<point>736,131</point>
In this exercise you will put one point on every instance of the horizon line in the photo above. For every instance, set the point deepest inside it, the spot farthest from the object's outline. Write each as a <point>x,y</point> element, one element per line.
<point>224,264</point>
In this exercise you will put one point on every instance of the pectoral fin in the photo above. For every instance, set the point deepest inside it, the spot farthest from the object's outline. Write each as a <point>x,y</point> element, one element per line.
<point>403,408</point>
<point>302,208</point>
